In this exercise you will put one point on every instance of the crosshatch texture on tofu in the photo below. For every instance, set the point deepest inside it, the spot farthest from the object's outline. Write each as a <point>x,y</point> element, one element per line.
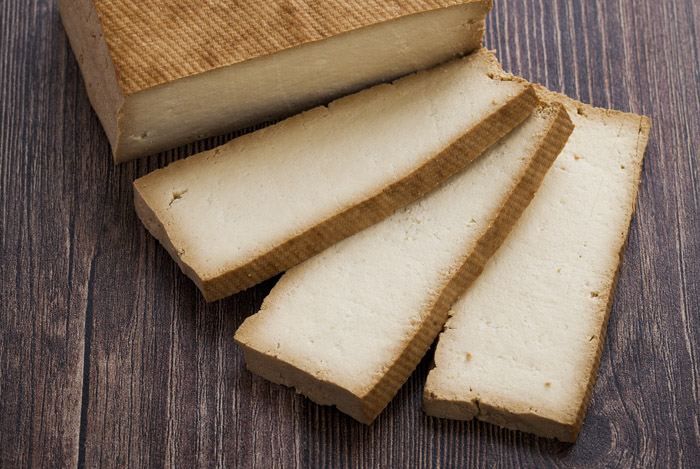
<point>166,72</point>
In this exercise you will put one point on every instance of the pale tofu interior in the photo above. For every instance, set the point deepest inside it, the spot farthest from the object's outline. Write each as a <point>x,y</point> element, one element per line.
<point>223,208</point>
<point>345,315</point>
<point>523,339</point>
<point>292,80</point>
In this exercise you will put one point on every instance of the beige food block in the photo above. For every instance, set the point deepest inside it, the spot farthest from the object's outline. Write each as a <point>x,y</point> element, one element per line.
<point>241,213</point>
<point>349,326</point>
<point>162,73</point>
<point>523,345</point>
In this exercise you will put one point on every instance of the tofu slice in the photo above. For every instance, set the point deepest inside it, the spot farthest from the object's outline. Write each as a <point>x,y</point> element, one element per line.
<point>162,73</point>
<point>349,326</point>
<point>241,213</point>
<point>523,345</point>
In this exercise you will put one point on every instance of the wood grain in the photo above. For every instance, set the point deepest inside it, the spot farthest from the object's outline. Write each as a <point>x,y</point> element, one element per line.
<point>110,357</point>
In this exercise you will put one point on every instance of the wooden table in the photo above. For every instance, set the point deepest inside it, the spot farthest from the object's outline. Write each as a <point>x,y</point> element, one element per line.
<point>110,357</point>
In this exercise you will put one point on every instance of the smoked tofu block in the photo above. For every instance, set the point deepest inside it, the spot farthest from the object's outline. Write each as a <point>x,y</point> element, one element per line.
<point>349,326</point>
<point>161,73</point>
<point>248,210</point>
<point>523,345</point>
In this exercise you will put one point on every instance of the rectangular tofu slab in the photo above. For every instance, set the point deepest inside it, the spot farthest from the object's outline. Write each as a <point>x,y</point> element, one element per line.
<point>523,345</point>
<point>248,210</point>
<point>161,73</point>
<point>349,326</point>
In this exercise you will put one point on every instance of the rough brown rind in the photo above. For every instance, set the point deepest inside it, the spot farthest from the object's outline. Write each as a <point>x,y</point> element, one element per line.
<point>159,41</point>
<point>532,422</point>
<point>366,408</point>
<point>358,217</point>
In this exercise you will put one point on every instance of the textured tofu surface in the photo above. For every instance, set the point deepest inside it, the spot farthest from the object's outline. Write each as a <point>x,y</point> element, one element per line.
<point>245,211</point>
<point>348,326</point>
<point>523,345</point>
<point>158,41</point>
<point>163,73</point>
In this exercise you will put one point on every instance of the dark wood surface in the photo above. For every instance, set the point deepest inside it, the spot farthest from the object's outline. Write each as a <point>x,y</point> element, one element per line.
<point>110,357</point>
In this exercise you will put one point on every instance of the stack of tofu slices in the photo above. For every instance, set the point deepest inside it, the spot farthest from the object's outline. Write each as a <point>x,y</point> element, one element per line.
<point>457,203</point>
